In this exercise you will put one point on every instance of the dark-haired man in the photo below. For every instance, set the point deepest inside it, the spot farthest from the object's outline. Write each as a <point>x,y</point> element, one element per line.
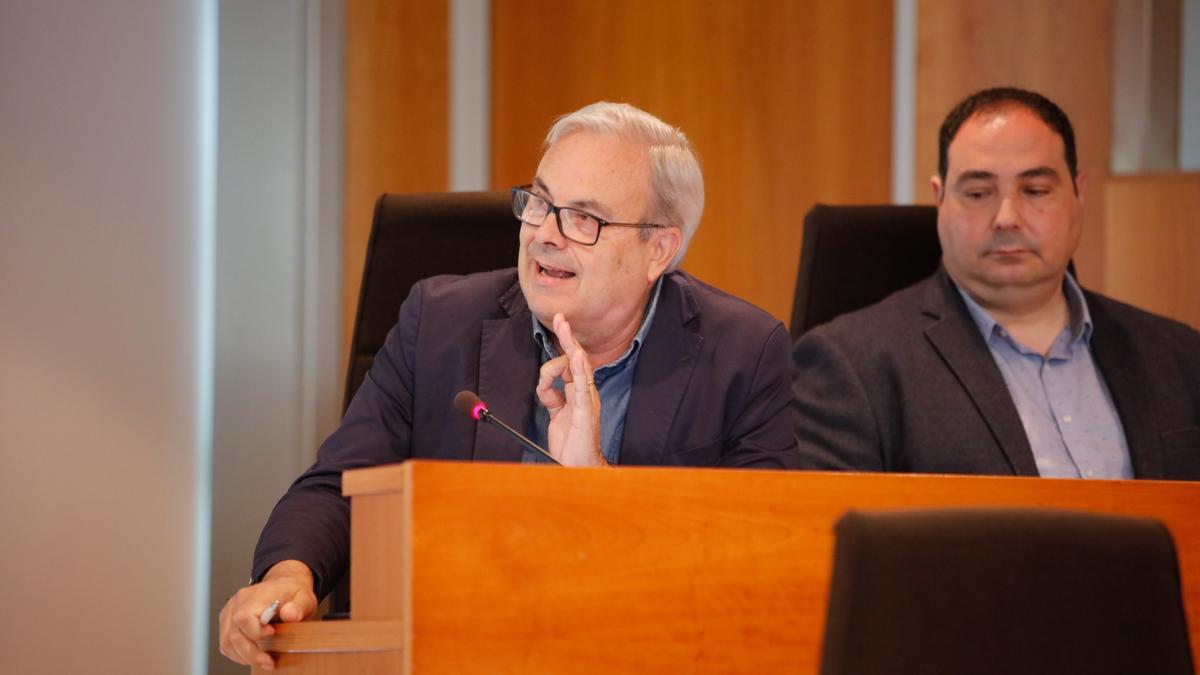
<point>1000,363</point>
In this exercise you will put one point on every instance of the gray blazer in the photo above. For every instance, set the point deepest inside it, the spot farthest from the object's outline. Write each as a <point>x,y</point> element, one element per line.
<point>909,385</point>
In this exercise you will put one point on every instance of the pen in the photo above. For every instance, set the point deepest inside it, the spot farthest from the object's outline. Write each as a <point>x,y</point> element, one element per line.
<point>268,613</point>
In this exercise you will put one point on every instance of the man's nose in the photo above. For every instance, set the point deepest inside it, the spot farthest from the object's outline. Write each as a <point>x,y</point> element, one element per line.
<point>1007,216</point>
<point>548,232</point>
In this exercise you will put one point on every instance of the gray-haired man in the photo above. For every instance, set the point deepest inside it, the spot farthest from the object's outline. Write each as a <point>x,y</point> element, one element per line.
<point>595,345</point>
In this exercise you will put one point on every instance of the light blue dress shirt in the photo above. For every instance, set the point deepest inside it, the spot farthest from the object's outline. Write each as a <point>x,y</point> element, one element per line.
<point>1065,406</point>
<point>613,381</point>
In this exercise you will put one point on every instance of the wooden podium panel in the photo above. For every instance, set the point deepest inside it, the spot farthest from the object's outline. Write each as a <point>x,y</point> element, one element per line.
<point>506,568</point>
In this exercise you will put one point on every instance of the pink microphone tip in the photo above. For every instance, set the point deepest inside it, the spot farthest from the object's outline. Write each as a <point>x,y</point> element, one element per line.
<point>469,404</point>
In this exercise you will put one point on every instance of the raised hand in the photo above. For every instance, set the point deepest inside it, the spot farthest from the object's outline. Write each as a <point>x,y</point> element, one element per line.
<point>574,432</point>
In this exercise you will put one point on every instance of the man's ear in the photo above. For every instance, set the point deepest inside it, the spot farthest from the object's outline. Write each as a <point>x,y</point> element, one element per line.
<point>663,247</point>
<point>935,183</point>
<point>1080,186</point>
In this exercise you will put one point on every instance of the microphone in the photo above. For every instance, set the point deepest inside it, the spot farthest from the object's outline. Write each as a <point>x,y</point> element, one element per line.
<point>469,404</point>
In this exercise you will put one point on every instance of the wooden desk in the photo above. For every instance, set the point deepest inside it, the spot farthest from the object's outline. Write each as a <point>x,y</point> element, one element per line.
<point>504,568</point>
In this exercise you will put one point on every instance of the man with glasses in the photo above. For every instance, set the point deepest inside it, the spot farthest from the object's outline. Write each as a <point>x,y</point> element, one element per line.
<point>596,346</point>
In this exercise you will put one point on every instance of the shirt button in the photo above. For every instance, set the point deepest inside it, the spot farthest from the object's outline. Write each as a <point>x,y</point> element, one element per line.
<point>1067,419</point>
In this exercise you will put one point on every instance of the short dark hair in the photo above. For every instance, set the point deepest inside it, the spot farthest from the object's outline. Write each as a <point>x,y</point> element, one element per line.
<point>990,100</point>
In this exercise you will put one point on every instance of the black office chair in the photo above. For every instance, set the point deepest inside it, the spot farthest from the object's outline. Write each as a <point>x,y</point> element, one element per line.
<point>414,236</point>
<point>855,256</point>
<point>983,591</point>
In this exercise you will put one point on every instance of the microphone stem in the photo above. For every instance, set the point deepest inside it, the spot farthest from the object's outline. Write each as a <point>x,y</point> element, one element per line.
<point>488,417</point>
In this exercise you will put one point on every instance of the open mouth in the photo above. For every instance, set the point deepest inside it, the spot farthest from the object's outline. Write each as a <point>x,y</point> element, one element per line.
<point>554,272</point>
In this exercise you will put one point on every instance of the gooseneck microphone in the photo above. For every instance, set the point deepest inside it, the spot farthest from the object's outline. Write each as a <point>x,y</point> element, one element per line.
<point>469,404</point>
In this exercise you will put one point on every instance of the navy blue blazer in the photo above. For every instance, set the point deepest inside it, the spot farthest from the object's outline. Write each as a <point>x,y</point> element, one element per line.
<point>909,385</point>
<point>711,388</point>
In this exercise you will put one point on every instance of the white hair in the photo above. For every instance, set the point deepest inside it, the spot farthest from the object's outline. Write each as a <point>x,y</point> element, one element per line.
<point>675,178</point>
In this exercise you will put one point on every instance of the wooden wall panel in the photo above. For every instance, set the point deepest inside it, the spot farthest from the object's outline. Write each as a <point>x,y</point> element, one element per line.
<point>396,117</point>
<point>1152,243</point>
<point>1062,49</point>
<point>788,103</point>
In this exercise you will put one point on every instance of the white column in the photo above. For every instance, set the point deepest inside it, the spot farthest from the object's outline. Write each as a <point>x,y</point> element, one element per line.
<point>1189,88</point>
<point>470,94</point>
<point>904,102</point>
<point>107,127</point>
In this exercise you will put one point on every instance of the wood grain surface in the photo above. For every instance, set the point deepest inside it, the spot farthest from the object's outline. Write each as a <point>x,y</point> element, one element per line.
<point>788,104</point>
<point>1062,49</point>
<point>544,569</point>
<point>1152,243</point>
<point>397,113</point>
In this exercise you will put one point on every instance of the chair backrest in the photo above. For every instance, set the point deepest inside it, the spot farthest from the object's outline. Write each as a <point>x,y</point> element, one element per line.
<point>985,591</point>
<point>415,236</point>
<point>855,256</point>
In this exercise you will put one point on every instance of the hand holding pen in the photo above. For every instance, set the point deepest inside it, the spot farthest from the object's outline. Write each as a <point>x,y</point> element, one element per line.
<point>268,614</point>
<point>284,595</point>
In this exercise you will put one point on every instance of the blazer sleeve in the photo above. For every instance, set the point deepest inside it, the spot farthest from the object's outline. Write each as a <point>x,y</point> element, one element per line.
<point>761,435</point>
<point>835,424</point>
<point>311,522</point>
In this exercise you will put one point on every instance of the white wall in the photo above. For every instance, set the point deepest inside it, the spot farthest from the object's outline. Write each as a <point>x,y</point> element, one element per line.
<point>276,392</point>
<point>106,122</point>
<point>470,94</point>
<point>170,181</point>
<point>1189,87</point>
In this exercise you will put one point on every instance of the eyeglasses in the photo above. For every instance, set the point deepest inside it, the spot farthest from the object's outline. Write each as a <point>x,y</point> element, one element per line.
<point>578,226</point>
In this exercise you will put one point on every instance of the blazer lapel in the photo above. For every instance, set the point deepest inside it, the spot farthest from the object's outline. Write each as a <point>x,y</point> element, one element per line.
<point>664,369</point>
<point>1122,369</point>
<point>956,338</point>
<point>508,370</point>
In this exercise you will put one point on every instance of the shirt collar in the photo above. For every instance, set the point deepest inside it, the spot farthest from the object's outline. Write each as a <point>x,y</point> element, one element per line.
<point>1079,322</point>
<point>542,336</point>
<point>1081,318</point>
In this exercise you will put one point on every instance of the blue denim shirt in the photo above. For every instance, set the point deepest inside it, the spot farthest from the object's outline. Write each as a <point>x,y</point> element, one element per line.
<point>1065,406</point>
<point>613,381</point>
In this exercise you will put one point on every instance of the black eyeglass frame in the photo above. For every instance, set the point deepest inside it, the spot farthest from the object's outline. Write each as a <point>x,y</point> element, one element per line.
<point>553,210</point>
